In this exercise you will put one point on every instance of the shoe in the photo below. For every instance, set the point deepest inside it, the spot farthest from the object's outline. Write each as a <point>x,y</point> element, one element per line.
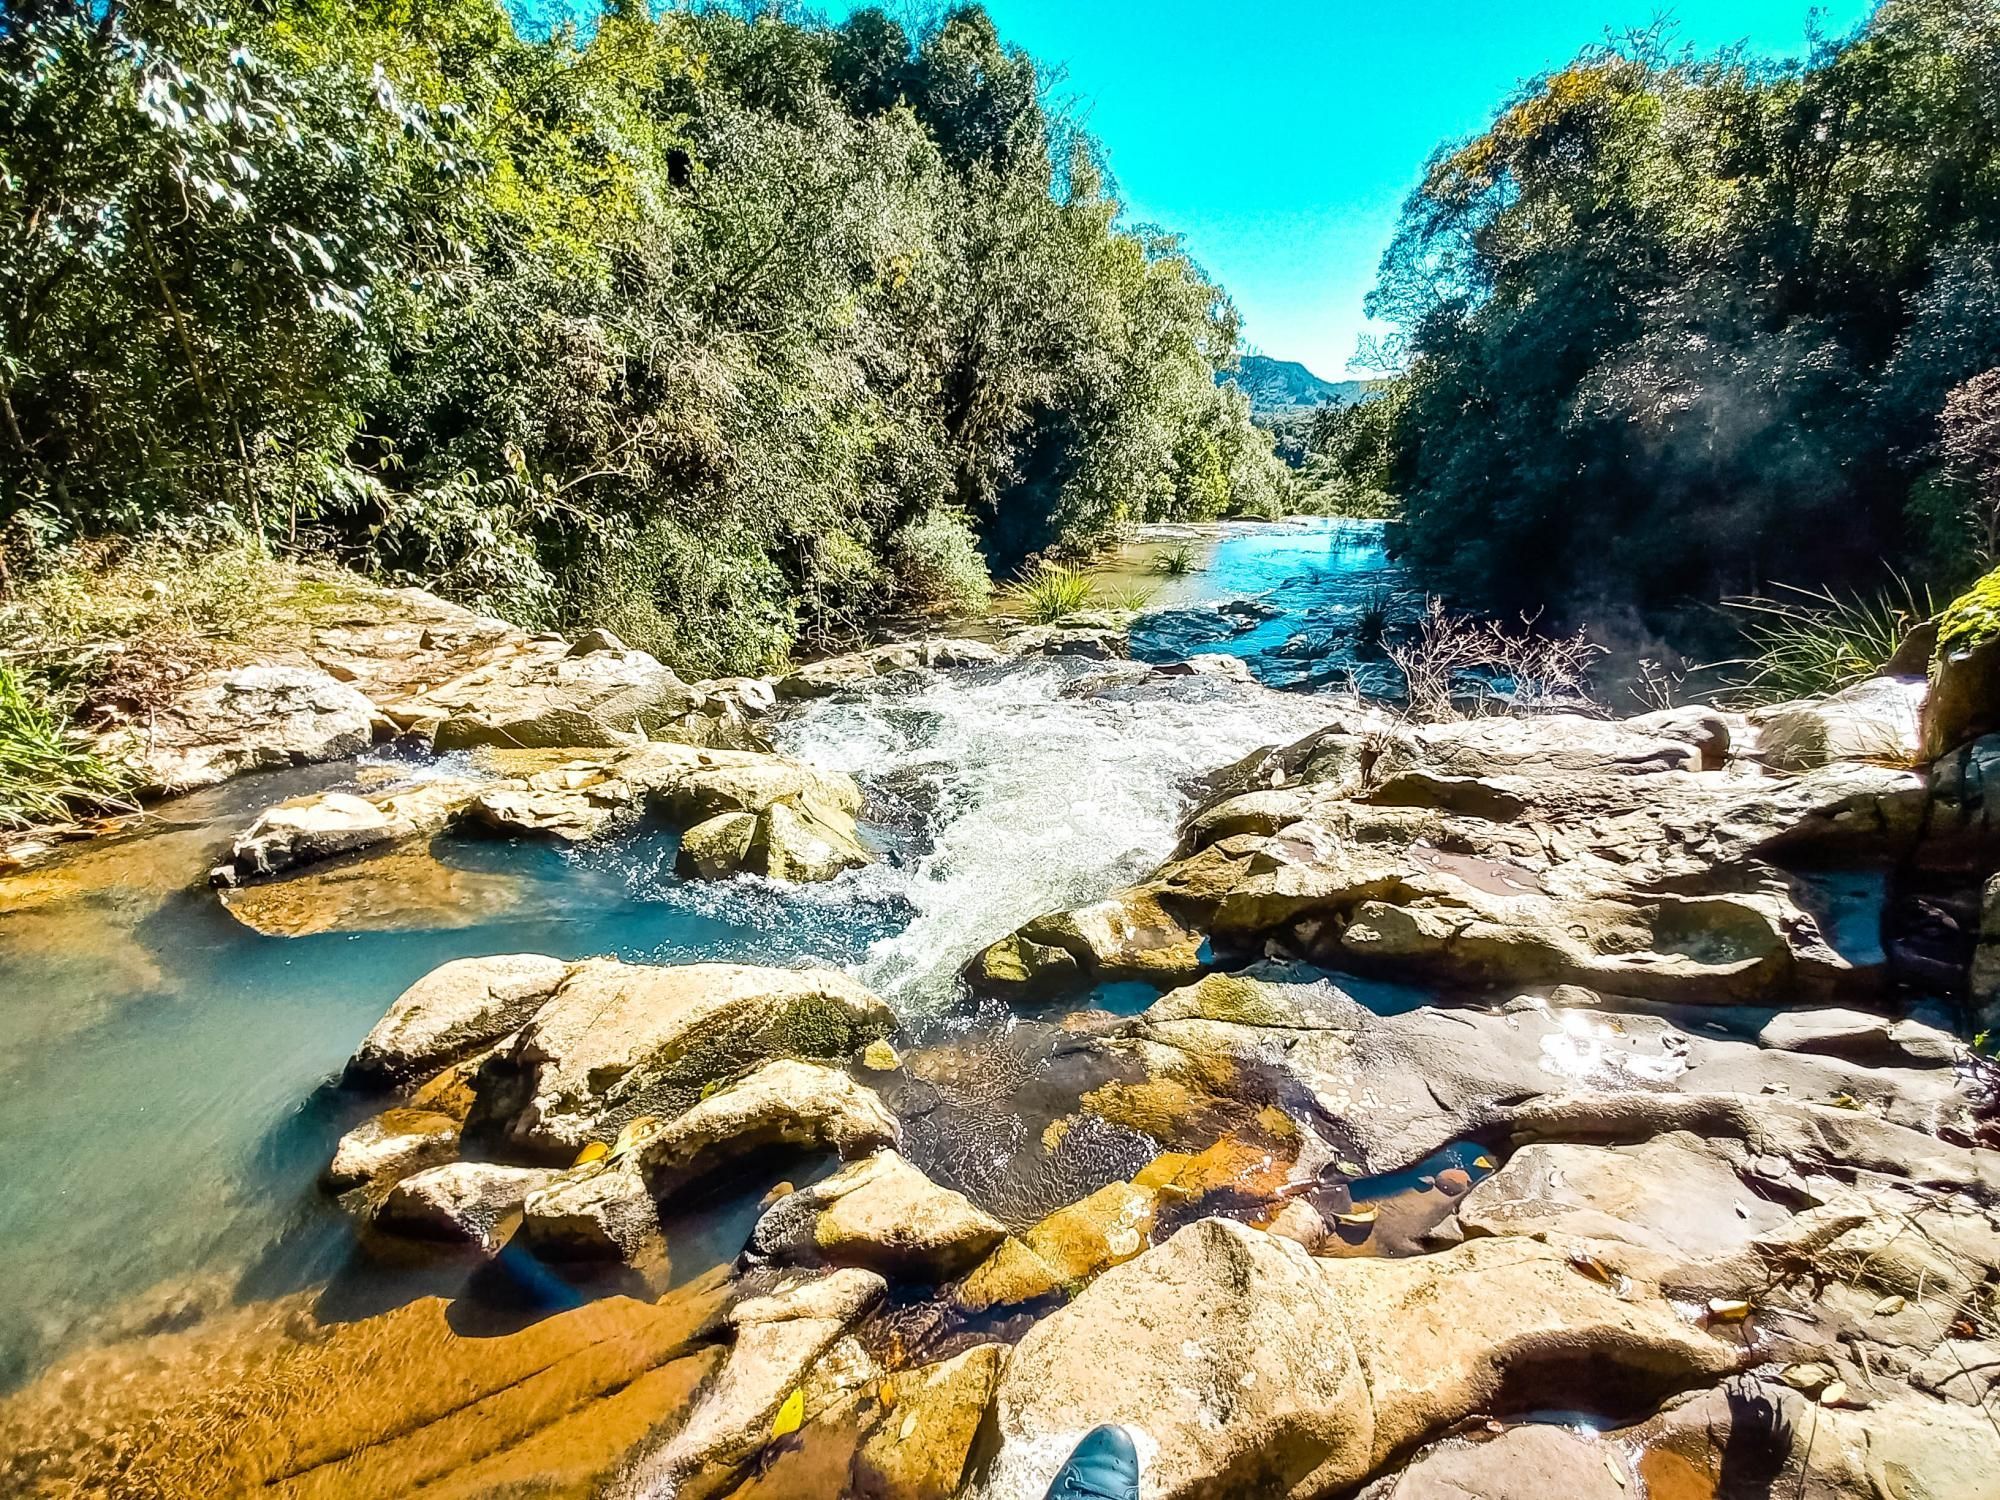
<point>1104,1466</point>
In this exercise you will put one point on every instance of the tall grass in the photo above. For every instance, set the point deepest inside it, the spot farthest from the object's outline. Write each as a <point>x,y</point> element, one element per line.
<point>47,773</point>
<point>1050,592</point>
<point>1177,561</point>
<point>1811,642</point>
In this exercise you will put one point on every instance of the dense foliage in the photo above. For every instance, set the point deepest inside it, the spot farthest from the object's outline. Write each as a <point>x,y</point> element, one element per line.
<point>1678,327</point>
<point>721,328</point>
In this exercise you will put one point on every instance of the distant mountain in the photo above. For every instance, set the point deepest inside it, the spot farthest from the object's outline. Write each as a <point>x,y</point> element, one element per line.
<point>1277,387</point>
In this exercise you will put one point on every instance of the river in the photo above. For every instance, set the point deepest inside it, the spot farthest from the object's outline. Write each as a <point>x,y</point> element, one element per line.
<point>164,1070</point>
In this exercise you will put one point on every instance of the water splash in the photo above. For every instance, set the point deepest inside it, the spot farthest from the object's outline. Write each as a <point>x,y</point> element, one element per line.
<point>1011,792</point>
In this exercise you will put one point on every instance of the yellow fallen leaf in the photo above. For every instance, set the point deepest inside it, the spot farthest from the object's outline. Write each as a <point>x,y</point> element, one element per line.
<point>791,1416</point>
<point>1362,1215</point>
<point>909,1426</point>
<point>1615,1470</point>
<point>1888,1307</point>
<point>1723,1310</point>
<point>594,1151</point>
<point>1834,1394</point>
<point>1484,1163</point>
<point>1348,1168</point>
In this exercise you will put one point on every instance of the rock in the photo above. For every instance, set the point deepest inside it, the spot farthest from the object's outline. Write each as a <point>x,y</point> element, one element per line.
<point>1108,1228</point>
<point>572,804</point>
<point>392,1145</point>
<point>616,1040</point>
<point>304,830</point>
<point>1209,664</point>
<point>1534,1461</point>
<point>882,1214</point>
<point>778,1339</point>
<point>818,679</point>
<point>545,695</point>
<point>1965,673</point>
<point>463,1203</point>
<point>1861,1037</point>
<point>1877,720</point>
<point>1254,1369</point>
<point>1092,642</point>
<point>717,848</point>
<point>1498,852</point>
<point>796,1105</point>
<point>803,842</point>
<point>1713,732</point>
<point>454,1011</point>
<point>919,1449</point>
<point>1660,1208</point>
<point>1985,978</point>
<point>599,1211</point>
<point>246,719</point>
<point>596,640</point>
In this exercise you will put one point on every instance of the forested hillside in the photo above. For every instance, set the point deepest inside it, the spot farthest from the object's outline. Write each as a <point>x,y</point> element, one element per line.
<point>725,332</point>
<point>1680,326</point>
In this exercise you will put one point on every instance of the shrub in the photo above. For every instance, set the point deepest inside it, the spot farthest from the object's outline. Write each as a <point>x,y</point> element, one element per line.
<point>938,565</point>
<point>1451,656</point>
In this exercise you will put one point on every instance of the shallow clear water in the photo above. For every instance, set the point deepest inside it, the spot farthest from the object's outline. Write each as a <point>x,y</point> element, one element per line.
<point>1312,583</point>
<point>163,1109</point>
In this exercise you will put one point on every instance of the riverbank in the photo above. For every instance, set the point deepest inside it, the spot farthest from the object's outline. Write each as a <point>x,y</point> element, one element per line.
<point>1421,1080</point>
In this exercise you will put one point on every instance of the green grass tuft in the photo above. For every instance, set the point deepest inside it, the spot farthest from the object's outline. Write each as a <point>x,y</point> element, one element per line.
<point>47,773</point>
<point>1813,642</point>
<point>1050,592</point>
<point>1178,561</point>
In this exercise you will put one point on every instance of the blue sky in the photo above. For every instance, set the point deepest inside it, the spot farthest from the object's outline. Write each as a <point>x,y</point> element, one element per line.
<point>1281,138</point>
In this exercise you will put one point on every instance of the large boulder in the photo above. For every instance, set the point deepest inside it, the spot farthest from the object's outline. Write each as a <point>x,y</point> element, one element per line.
<point>1877,720</point>
<point>616,1040</point>
<point>454,1011</point>
<point>833,673</point>
<point>880,1213</point>
<point>1251,1368</point>
<point>252,718</point>
<point>546,695</point>
<point>328,825</point>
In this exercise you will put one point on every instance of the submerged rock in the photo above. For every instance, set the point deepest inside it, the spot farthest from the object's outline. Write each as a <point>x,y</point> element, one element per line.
<point>777,1339</point>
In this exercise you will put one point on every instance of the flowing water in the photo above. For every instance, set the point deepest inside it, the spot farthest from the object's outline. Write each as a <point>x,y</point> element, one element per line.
<point>163,1108</point>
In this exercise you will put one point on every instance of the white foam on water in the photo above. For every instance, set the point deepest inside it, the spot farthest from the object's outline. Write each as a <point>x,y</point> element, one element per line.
<point>1035,798</point>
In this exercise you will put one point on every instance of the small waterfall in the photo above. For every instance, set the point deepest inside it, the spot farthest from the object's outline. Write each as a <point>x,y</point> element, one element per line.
<point>1011,791</point>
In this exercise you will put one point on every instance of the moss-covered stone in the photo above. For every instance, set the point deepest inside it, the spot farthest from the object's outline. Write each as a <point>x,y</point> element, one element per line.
<point>1972,619</point>
<point>1965,676</point>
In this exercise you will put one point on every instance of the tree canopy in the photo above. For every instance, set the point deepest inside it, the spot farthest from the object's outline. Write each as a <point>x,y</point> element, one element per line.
<point>704,325</point>
<point>1680,326</point>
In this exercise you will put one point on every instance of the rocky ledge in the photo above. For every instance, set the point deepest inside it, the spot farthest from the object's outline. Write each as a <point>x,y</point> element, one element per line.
<point>1689,856</point>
